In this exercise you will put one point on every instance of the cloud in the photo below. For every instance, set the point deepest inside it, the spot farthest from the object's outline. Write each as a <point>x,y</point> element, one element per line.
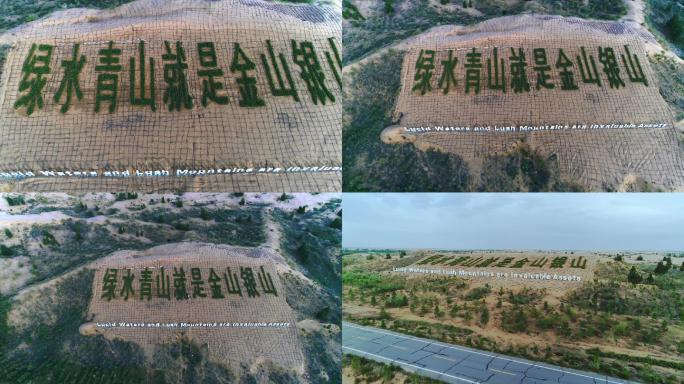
<point>514,221</point>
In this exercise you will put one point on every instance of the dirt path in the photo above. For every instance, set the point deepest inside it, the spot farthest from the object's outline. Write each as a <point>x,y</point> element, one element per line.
<point>636,17</point>
<point>635,13</point>
<point>272,232</point>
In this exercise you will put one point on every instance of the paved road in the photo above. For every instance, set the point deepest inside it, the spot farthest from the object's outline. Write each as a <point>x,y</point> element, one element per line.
<point>456,364</point>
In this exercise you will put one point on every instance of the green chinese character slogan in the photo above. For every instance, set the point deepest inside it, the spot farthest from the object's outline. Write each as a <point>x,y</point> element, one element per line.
<point>424,69</point>
<point>524,70</point>
<point>176,94</point>
<point>633,67</point>
<point>210,73</point>
<point>567,77</point>
<point>542,67</point>
<point>107,86</point>
<point>473,73</point>
<point>142,98</point>
<point>184,76</point>
<point>35,67</point>
<point>519,81</point>
<point>70,80</point>
<point>279,68</point>
<point>448,77</point>
<point>214,283</point>
<point>249,96</point>
<point>496,71</point>
<point>304,55</point>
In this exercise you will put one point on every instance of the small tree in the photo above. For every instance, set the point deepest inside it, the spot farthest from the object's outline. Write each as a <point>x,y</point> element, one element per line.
<point>454,310</point>
<point>484,316</point>
<point>650,279</point>
<point>388,6</point>
<point>661,268</point>
<point>467,316</point>
<point>5,251</point>
<point>387,373</point>
<point>634,277</point>
<point>384,315</point>
<point>204,214</point>
<point>423,310</point>
<point>438,312</point>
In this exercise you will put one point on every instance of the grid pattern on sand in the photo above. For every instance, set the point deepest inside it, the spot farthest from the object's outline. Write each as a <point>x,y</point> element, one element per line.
<point>283,132</point>
<point>228,345</point>
<point>594,157</point>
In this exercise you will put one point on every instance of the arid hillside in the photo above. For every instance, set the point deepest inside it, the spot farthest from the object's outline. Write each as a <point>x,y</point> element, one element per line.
<point>615,313</point>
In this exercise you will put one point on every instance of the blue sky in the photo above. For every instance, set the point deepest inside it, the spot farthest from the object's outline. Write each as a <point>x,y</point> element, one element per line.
<point>580,221</point>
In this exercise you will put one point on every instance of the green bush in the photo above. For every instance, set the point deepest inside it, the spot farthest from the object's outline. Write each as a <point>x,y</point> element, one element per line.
<point>6,251</point>
<point>15,200</point>
<point>478,293</point>
<point>350,12</point>
<point>49,240</point>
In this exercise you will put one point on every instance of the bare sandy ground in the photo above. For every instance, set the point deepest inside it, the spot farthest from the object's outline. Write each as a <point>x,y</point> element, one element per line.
<point>594,157</point>
<point>281,134</point>
<point>14,273</point>
<point>553,293</point>
<point>228,345</point>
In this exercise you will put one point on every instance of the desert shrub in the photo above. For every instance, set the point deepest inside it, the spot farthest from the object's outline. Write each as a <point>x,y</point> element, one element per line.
<point>6,251</point>
<point>15,200</point>
<point>478,293</point>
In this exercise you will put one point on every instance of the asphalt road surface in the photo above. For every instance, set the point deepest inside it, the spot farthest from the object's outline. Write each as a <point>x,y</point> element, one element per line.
<point>456,364</point>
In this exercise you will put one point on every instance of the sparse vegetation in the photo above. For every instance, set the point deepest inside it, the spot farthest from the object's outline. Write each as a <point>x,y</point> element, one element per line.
<point>350,12</point>
<point>383,28</point>
<point>122,196</point>
<point>370,371</point>
<point>309,238</point>
<point>47,346</point>
<point>665,18</point>
<point>523,169</point>
<point>609,310</point>
<point>14,201</point>
<point>389,167</point>
<point>671,79</point>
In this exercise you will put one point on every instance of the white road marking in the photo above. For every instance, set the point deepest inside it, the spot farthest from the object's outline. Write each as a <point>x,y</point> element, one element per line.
<point>504,372</point>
